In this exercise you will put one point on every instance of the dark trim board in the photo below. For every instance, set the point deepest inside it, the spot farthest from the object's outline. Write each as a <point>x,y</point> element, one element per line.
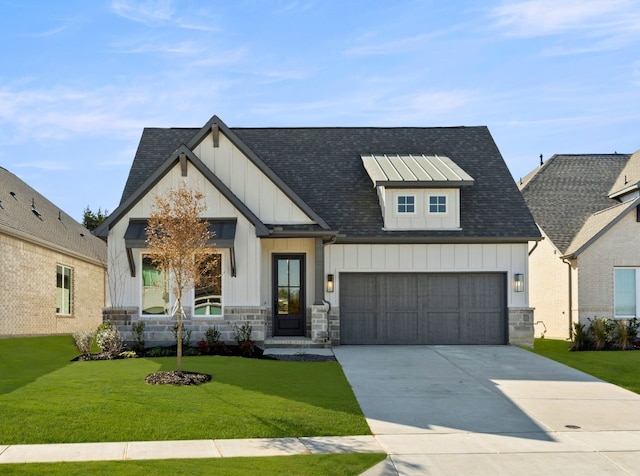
<point>423,308</point>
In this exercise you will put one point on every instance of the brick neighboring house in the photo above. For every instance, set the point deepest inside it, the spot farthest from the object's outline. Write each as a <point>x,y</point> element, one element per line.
<point>53,270</point>
<point>336,235</point>
<point>587,209</point>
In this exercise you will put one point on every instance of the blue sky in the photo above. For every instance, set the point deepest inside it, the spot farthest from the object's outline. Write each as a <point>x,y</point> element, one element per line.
<point>80,79</point>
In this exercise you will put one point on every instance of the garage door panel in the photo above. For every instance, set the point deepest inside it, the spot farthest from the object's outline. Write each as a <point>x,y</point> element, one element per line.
<point>482,327</point>
<point>401,328</point>
<point>361,328</point>
<point>440,328</point>
<point>443,291</point>
<point>483,292</point>
<point>423,308</point>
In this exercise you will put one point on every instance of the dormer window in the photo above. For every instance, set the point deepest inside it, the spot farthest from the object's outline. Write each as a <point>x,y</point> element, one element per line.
<point>406,204</point>
<point>417,191</point>
<point>437,204</point>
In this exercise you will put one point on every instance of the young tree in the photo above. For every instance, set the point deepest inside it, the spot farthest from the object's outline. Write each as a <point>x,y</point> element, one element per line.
<point>177,240</point>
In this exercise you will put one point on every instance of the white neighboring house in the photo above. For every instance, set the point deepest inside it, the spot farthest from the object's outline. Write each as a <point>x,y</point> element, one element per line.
<point>586,267</point>
<point>326,236</point>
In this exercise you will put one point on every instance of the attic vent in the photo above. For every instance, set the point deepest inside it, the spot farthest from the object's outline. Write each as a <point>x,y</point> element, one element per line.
<point>59,215</point>
<point>13,194</point>
<point>34,210</point>
<point>82,235</point>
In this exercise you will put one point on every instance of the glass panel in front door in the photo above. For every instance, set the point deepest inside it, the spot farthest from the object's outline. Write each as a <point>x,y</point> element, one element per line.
<point>288,286</point>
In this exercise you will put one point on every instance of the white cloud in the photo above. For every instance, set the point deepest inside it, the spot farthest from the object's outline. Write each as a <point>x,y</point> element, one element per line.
<point>184,48</point>
<point>147,11</point>
<point>48,33</point>
<point>534,18</point>
<point>43,165</point>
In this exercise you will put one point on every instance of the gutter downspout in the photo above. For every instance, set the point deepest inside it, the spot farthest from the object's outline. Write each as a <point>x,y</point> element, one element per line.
<point>330,241</point>
<point>535,246</point>
<point>568,263</point>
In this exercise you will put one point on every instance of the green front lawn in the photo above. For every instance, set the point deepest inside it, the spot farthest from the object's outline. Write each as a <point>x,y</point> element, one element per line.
<point>619,367</point>
<point>310,465</point>
<point>46,398</point>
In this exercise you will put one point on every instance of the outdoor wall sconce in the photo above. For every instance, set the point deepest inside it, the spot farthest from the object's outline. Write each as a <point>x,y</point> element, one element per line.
<point>518,283</point>
<point>329,283</point>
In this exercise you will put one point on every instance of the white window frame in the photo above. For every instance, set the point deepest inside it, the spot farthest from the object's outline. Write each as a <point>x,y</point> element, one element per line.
<point>437,205</point>
<point>406,205</point>
<point>637,291</point>
<point>60,296</point>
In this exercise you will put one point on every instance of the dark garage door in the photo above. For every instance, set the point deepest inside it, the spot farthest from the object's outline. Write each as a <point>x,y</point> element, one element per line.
<point>434,308</point>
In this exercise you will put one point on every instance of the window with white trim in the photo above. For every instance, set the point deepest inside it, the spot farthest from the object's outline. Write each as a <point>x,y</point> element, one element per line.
<point>625,294</point>
<point>208,297</point>
<point>64,290</point>
<point>437,204</point>
<point>406,204</point>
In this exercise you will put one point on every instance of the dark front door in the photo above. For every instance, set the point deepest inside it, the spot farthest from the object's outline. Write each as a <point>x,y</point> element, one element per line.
<point>288,295</point>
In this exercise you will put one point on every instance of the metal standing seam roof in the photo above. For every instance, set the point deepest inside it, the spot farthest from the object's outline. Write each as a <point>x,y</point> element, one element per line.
<point>416,170</point>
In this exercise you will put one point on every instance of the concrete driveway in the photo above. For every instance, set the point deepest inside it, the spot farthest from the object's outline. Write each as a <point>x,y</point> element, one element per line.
<point>499,410</point>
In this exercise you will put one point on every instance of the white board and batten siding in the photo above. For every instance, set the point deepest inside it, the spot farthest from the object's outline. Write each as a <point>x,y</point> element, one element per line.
<point>430,258</point>
<point>249,183</point>
<point>242,290</point>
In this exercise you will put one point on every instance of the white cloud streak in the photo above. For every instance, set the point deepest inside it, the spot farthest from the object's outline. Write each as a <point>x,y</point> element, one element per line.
<point>536,18</point>
<point>147,12</point>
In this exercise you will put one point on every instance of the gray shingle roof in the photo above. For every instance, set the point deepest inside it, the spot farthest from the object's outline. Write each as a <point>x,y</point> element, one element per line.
<point>323,166</point>
<point>568,189</point>
<point>49,226</point>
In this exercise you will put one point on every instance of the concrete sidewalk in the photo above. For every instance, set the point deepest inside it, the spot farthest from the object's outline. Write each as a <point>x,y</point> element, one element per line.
<point>140,450</point>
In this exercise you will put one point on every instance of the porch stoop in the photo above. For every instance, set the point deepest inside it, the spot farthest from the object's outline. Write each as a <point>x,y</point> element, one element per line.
<point>294,342</point>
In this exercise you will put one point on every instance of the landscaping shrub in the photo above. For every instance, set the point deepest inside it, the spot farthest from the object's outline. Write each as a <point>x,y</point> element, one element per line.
<point>186,336</point>
<point>626,334</point>
<point>242,336</point>
<point>601,329</point>
<point>109,340</point>
<point>580,339</point>
<point>605,334</point>
<point>83,341</point>
<point>137,329</point>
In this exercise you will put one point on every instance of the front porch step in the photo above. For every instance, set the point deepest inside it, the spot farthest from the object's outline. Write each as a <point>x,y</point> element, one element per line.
<point>293,342</point>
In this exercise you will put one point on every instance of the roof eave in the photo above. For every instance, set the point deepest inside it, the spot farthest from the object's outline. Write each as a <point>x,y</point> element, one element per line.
<point>596,237</point>
<point>342,239</point>
<point>424,184</point>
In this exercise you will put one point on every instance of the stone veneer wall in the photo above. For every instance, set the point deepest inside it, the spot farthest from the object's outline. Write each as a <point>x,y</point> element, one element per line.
<point>159,329</point>
<point>521,328</point>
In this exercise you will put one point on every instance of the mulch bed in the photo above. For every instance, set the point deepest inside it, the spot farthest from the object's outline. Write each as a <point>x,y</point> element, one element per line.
<point>175,378</point>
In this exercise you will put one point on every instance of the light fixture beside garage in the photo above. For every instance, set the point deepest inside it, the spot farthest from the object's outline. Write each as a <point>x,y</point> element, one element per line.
<point>329,283</point>
<point>518,283</point>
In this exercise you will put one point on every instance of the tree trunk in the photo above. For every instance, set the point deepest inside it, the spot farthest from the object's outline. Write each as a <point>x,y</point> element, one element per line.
<point>179,337</point>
